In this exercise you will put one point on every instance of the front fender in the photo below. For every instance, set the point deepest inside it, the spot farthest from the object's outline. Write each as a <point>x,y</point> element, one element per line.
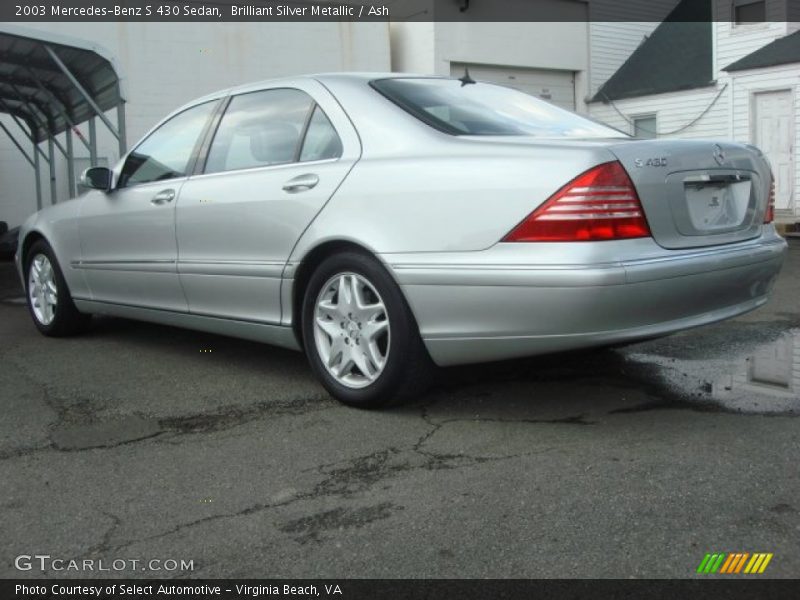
<point>58,225</point>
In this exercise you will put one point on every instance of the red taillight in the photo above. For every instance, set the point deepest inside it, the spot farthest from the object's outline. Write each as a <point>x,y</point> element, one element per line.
<point>600,204</point>
<point>769,215</point>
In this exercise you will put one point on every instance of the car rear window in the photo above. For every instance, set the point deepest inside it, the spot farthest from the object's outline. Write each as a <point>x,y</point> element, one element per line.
<point>456,108</point>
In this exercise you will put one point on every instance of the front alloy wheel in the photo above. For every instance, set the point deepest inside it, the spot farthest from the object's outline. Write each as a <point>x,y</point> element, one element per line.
<point>49,300</point>
<point>359,334</point>
<point>42,289</point>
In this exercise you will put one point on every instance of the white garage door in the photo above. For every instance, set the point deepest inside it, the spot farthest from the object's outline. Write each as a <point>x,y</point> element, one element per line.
<point>557,87</point>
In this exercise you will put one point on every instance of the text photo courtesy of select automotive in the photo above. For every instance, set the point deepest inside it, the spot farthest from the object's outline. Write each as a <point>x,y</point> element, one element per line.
<point>460,298</point>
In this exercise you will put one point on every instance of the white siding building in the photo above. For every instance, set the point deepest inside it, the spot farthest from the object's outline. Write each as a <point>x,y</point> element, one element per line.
<point>729,79</point>
<point>549,60</point>
<point>656,77</point>
<point>562,62</point>
<point>614,35</point>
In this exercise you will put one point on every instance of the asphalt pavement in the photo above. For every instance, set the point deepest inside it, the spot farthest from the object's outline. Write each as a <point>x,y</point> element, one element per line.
<point>139,442</point>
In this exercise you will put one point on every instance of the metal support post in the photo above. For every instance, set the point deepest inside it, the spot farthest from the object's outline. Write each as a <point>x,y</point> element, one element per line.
<point>92,142</point>
<point>86,96</point>
<point>51,153</point>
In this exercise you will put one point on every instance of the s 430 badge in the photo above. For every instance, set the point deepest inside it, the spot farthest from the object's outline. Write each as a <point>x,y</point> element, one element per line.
<point>651,162</point>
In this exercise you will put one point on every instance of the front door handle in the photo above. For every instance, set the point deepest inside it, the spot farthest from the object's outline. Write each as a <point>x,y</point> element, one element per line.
<point>163,197</point>
<point>303,183</point>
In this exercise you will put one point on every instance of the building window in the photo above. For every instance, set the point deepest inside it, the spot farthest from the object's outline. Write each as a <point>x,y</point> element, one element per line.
<point>745,11</point>
<point>645,127</point>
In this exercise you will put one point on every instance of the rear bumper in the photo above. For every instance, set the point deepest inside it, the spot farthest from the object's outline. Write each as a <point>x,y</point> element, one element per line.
<point>473,309</point>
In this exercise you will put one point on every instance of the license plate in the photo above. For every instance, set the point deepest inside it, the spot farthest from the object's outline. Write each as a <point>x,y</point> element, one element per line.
<point>714,206</point>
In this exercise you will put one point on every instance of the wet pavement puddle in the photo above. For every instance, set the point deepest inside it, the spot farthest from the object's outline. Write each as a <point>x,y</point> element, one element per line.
<point>764,380</point>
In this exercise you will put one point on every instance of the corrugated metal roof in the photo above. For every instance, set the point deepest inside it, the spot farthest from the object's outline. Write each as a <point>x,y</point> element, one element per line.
<point>33,88</point>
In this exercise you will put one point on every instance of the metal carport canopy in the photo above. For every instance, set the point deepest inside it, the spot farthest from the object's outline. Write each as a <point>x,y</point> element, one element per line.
<point>50,83</point>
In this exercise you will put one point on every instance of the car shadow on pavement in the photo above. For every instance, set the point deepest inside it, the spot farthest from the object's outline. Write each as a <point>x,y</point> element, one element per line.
<point>562,387</point>
<point>565,387</point>
<point>244,354</point>
<point>555,385</point>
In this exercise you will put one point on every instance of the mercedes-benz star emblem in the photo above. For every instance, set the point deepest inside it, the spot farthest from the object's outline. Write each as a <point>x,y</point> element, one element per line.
<point>719,154</point>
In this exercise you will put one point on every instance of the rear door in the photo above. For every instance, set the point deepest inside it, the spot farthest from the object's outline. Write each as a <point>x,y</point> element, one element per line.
<point>277,156</point>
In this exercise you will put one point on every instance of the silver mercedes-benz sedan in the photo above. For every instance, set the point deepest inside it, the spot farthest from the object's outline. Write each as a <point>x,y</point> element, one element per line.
<point>385,224</point>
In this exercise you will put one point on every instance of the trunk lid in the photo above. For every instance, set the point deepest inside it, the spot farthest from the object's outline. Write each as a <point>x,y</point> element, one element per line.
<point>697,193</point>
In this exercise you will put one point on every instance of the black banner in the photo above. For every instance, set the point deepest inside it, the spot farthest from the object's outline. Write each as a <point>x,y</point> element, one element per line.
<point>357,589</point>
<point>31,11</point>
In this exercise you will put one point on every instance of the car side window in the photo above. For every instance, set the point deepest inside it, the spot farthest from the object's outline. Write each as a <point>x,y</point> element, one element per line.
<point>165,153</point>
<point>321,142</point>
<point>260,129</point>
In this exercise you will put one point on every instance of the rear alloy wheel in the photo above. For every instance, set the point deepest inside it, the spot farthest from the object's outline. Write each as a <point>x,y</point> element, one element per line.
<point>359,334</point>
<point>351,330</point>
<point>49,302</point>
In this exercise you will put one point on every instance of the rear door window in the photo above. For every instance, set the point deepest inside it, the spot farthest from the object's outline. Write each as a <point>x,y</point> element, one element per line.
<point>321,142</point>
<point>260,129</point>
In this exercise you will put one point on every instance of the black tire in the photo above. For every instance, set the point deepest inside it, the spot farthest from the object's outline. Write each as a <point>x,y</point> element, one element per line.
<point>408,368</point>
<point>67,320</point>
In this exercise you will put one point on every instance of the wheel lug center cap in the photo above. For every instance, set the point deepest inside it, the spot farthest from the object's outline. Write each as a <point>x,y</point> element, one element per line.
<point>351,327</point>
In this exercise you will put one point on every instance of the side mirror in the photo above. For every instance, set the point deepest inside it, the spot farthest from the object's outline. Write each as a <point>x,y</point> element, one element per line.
<point>97,178</point>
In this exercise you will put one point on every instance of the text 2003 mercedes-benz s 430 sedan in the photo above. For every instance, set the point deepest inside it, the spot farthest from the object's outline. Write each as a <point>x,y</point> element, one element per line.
<point>385,223</point>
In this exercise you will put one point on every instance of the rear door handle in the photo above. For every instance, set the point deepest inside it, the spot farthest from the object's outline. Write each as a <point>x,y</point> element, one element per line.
<point>303,183</point>
<point>163,197</point>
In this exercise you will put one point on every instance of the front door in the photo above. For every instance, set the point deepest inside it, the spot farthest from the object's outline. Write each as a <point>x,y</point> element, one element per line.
<point>774,133</point>
<point>128,245</point>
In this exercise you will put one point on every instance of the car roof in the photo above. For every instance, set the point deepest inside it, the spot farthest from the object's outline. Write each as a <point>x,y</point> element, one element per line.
<point>354,77</point>
<point>353,81</point>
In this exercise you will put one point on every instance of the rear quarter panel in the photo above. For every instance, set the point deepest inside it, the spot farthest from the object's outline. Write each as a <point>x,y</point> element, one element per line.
<point>454,196</point>
<point>416,189</point>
